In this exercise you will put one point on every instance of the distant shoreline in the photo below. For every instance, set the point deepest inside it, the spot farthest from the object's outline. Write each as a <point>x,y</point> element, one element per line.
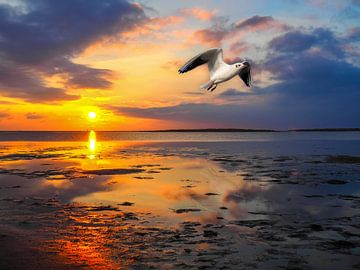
<point>254,130</point>
<point>203,130</point>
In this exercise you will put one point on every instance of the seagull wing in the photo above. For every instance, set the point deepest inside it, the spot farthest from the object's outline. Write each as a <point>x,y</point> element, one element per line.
<point>216,61</point>
<point>213,57</point>
<point>245,75</point>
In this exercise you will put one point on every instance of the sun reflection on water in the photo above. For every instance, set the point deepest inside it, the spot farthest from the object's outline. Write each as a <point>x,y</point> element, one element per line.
<point>92,144</point>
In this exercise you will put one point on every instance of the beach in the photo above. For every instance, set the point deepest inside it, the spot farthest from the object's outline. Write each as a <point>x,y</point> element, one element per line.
<point>93,200</point>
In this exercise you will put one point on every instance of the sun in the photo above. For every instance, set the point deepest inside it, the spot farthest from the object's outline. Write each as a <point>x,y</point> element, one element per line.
<point>92,115</point>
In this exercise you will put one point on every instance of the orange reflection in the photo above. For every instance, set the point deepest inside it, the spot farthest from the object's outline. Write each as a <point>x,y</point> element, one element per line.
<point>87,241</point>
<point>155,184</point>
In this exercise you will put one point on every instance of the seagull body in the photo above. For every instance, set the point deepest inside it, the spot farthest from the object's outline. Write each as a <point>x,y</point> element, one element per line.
<point>219,70</point>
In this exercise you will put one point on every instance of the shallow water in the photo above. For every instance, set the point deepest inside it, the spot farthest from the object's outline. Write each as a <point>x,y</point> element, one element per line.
<point>262,201</point>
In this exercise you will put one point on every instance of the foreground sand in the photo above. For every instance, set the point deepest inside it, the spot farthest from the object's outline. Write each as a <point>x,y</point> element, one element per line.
<point>179,206</point>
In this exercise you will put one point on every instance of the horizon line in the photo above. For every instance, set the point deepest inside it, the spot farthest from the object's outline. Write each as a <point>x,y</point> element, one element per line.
<point>201,130</point>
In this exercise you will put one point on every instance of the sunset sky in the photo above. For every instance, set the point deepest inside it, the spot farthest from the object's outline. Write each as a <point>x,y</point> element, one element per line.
<point>60,60</point>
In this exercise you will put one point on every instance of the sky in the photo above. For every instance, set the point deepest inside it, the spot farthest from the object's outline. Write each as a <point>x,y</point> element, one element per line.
<point>60,60</point>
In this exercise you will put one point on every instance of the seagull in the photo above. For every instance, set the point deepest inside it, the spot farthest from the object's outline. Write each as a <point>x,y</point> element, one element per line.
<point>218,69</point>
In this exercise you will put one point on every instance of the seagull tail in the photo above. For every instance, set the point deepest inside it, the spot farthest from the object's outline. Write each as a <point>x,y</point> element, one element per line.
<point>207,85</point>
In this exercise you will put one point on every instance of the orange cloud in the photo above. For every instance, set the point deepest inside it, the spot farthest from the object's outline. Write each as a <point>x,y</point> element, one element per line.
<point>212,37</point>
<point>239,47</point>
<point>199,13</point>
<point>152,27</point>
<point>161,22</point>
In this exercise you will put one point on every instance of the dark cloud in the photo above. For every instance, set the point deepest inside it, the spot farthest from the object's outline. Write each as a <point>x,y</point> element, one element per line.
<point>293,42</point>
<point>34,116</point>
<point>309,73</point>
<point>51,28</point>
<point>79,76</point>
<point>43,37</point>
<point>245,115</point>
<point>255,22</point>
<point>23,82</point>
<point>282,113</point>
<point>313,75</point>
<point>232,93</point>
<point>298,41</point>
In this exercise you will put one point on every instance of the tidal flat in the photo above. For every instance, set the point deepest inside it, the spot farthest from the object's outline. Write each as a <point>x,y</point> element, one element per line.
<point>261,204</point>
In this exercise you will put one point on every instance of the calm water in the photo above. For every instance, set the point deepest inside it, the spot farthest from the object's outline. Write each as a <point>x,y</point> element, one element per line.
<point>103,200</point>
<point>177,136</point>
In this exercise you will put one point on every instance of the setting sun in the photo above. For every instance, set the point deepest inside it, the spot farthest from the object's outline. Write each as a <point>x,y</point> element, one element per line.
<point>92,115</point>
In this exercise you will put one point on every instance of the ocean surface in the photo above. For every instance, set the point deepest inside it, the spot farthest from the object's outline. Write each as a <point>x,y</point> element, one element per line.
<point>176,136</point>
<point>180,200</point>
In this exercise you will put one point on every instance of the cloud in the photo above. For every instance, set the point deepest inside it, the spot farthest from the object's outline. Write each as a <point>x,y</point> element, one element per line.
<point>221,29</point>
<point>239,47</point>
<point>43,31</point>
<point>349,12</point>
<point>43,36</point>
<point>257,23</point>
<point>78,76</point>
<point>34,116</point>
<point>199,13</point>
<point>22,82</point>
<point>203,114</point>
<point>293,42</point>
<point>315,74</point>
<point>298,41</point>
<point>314,86</point>
<point>158,23</point>
<point>5,102</point>
<point>247,192</point>
<point>353,34</point>
<point>4,115</point>
<point>213,35</point>
<point>232,93</point>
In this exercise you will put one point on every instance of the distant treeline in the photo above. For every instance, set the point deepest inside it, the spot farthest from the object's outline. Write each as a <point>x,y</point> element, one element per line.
<point>254,130</point>
<point>214,130</point>
<point>327,129</point>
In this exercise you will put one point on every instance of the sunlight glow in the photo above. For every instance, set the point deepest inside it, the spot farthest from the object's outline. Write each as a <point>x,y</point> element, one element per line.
<point>92,115</point>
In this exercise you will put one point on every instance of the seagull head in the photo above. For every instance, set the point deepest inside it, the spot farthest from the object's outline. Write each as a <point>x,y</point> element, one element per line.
<point>241,65</point>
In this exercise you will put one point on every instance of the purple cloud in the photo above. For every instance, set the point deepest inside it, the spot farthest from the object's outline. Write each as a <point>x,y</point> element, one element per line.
<point>48,34</point>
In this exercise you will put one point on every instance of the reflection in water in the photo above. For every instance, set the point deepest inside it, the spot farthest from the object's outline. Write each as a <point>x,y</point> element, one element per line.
<point>111,212</point>
<point>92,144</point>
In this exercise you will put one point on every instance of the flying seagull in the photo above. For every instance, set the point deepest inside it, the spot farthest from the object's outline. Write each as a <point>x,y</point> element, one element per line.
<point>218,69</point>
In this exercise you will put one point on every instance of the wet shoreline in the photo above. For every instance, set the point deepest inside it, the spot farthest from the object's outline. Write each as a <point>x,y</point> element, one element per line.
<point>180,206</point>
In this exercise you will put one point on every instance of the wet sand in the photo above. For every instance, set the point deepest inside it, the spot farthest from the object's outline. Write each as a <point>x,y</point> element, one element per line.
<point>147,205</point>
